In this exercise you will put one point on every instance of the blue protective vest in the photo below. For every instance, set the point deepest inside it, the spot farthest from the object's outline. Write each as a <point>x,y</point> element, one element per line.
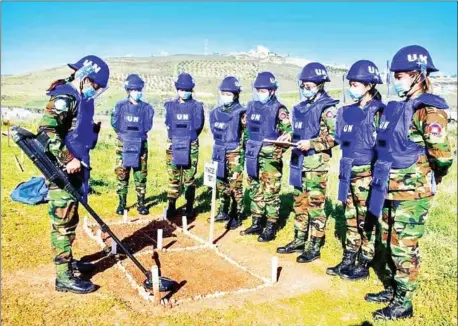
<point>83,137</point>
<point>262,124</point>
<point>355,133</point>
<point>133,123</point>
<point>226,129</point>
<point>184,121</point>
<point>393,147</point>
<point>306,125</point>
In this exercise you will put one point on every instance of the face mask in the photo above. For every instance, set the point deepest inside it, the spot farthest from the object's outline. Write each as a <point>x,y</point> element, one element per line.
<point>356,93</point>
<point>309,93</point>
<point>402,87</point>
<point>227,99</point>
<point>136,95</point>
<point>263,97</point>
<point>89,92</point>
<point>184,95</point>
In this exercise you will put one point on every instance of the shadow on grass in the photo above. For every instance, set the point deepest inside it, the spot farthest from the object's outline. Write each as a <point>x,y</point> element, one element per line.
<point>338,214</point>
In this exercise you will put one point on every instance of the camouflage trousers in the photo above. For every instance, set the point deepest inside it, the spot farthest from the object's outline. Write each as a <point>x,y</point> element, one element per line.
<point>182,175</point>
<point>309,204</point>
<point>231,187</point>
<point>265,190</point>
<point>360,226</point>
<point>403,224</point>
<point>140,173</point>
<point>63,212</point>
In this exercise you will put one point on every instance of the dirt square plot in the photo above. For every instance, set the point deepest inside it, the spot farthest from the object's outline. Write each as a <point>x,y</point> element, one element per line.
<point>140,237</point>
<point>200,272</point>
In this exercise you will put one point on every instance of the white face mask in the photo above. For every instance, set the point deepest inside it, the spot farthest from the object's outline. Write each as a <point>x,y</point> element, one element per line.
<point>227,99</point>
<point>402,86</point>
<point>136,95</point>
<point>357,93</point>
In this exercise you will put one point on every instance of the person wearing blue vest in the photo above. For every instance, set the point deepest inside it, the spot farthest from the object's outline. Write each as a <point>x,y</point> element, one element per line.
<point>228,125</point>
<point>132,119</point>
<point>413,155</point>
<point>184,119</point>
<point>267,119</point>
<point>355,133</point>
<point>68,121</point>
<point>313,131</point>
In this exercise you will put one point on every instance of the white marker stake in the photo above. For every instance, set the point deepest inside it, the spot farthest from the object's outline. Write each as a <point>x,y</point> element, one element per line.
<point>124,218</point>
<point>184,223</point>
<point>159,239</point>
<point>274,269</point>
<point>155,281</point>
<point>164,215</point>
<point>213,206</point>
<point>113,247</point>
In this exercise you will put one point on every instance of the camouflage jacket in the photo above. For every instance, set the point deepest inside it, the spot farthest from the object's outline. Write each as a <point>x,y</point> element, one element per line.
<point>429,130</point>
<point>284,127</point>
<point>59,119</point>
<point>323,143</point>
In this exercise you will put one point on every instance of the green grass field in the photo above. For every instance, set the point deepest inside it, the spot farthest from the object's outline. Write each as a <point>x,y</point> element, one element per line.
<point>26,249</point>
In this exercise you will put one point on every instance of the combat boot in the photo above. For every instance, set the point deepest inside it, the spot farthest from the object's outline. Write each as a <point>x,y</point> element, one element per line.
<point>81,267</point>
<point>311,251</point>
<point>141,207</point>
<point>190,196</point>
<point>348,260</point>
<point>223,215</point>
<point>358,271</point>
<point>234,222</point>
<point>67,282</point>
<point>255,227</point>
<point>172,208</point>
<point>268,234</point>
<point>297,245</point>
<point>399,308</point>
<point>382,297</point>
<point>122,204</point>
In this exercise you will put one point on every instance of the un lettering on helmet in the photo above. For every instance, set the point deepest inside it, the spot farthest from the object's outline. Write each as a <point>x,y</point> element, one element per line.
<point>412,57</point>
<point>94,66</point>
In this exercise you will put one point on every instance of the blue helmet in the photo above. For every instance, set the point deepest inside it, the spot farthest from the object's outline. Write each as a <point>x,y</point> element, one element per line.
<point>134,82</point>
<point>185,82</point>
<point>412,58</point>
<point>230,84</point>
<point>93,68</point>
<point>265,80</point>
<point>314,72</point>
<point>364,71</point>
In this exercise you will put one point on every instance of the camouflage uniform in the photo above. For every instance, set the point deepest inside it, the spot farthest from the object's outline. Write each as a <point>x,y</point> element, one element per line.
<point>232,185</point>
<point>409,196</point>
<point>123,174</point>
<point>360,231</point>
<point>309,201</point>
<point>59,119</point>
<point>179,175</point>
<point>265,190</point>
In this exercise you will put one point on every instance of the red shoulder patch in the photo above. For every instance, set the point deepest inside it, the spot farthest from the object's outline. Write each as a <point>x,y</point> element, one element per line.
<point>435,129</point>
<point>330,114</point>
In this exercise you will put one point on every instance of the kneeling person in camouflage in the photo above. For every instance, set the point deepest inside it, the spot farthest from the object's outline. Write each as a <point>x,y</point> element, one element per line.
<point>228,125</point>
<point>132,119</point>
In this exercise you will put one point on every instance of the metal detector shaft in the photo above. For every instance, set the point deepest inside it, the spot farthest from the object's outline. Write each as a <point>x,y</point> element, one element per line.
<point>35,147</point>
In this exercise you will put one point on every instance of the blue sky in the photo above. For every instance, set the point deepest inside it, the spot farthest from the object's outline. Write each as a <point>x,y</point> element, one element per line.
<point>46,34</point>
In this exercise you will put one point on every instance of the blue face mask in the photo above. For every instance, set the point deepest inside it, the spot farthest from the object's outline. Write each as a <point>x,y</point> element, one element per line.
<point>136,95</point>
<point>401,88</point>
<point>227,99</point>
<point>356,93</point>
<point>263,97</point>
<point>309,93</point>
<point>89,92</point>
<point>184,95</point>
